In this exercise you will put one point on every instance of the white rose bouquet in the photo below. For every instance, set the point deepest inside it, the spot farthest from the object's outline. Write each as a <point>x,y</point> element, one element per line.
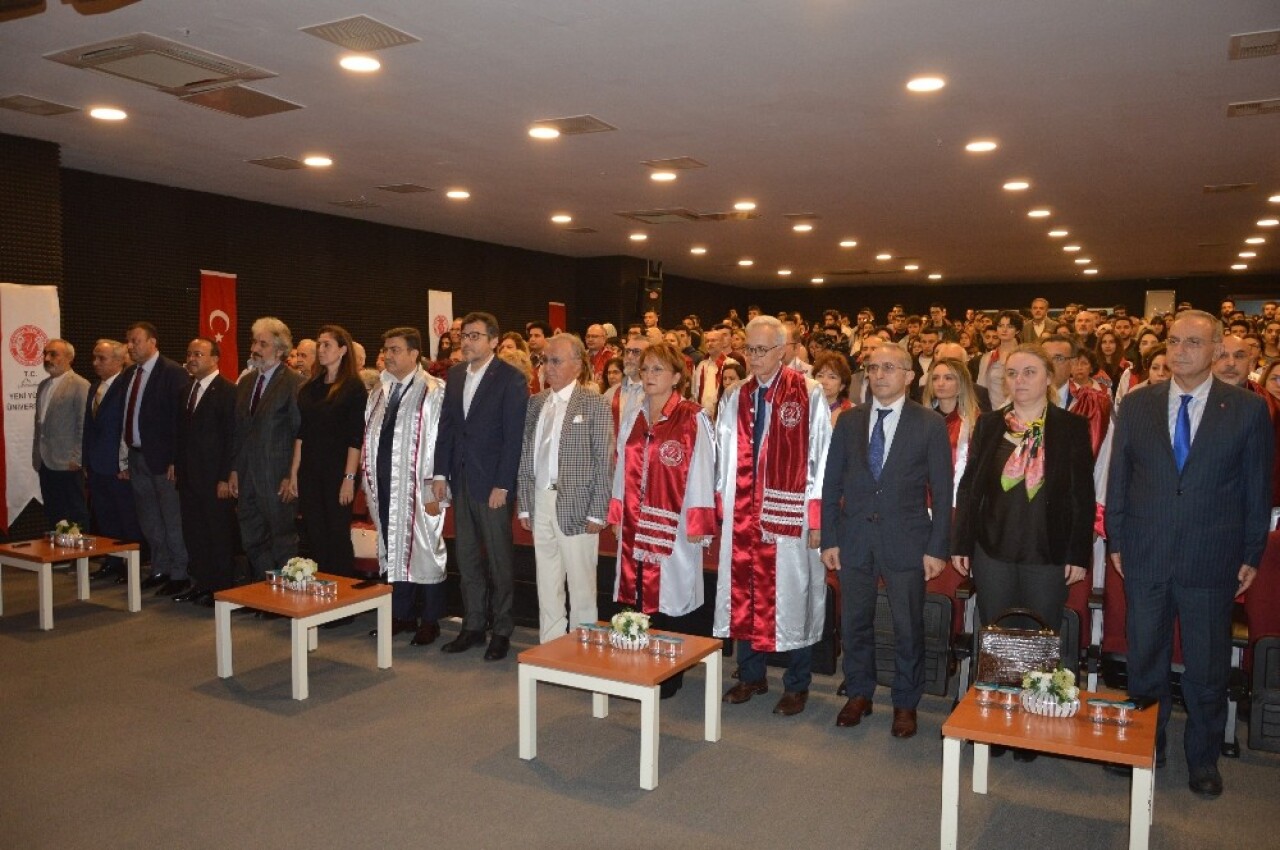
<point>630,624</point>
<point>1059,684</point>
<point>66,526</point>
<point>299,569</point>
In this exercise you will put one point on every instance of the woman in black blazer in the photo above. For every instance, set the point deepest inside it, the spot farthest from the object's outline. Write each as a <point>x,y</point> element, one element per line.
<point>1025,506</point>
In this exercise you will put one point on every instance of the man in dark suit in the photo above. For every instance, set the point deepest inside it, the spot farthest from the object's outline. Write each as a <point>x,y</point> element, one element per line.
<point>266,424</point>
<point>564,487</point>
<point>59,436</point>
<point>478,456</point>
<point>157,387</point>
<point>205,434</point>
<point>105,460</point>
<point>887,462</point>
<point>1188,507</point>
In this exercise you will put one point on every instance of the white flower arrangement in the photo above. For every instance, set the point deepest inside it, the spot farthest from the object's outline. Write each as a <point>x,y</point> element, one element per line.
<point>1059,684</point>
<point>299,569</point>
<point>630,624</point>
<point>66,526</point>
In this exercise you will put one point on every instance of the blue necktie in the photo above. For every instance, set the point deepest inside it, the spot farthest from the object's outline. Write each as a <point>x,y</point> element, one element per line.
<point>757,426</point>
<point>875,451</point>
<point>1182,433</point>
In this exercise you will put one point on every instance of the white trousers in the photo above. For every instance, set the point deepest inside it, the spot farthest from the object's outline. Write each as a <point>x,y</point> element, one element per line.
<point>562,558</point>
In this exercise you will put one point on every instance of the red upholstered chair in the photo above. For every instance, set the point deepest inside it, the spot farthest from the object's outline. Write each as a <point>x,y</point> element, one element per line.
<point>1262,601</point>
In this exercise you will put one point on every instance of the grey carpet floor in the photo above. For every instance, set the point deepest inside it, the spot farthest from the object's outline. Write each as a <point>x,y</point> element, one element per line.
<point>115,732</point>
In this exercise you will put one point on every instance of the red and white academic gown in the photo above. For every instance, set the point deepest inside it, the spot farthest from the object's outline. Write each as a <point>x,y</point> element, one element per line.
<point>770,589</point>
<point>705,384</point>
<point>663,493</point>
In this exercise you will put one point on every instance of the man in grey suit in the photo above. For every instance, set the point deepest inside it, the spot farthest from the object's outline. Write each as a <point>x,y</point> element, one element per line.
<point>1188,508</point>
<point>888,461</point>
<point>1040,324</point>
<point>55,450</point>
<point>564,486</point>
<point>267,421</point>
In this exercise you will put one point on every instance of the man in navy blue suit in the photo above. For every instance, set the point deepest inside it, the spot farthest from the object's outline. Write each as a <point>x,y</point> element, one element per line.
<point>110,495</point>
<point>478,457</point>
<point>1188,508</point>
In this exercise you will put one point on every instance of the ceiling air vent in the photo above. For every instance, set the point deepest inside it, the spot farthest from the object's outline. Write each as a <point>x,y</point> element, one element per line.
<point>240,101</point>
<point>1254,45</point>
<point>279,163</point>
<point>734,215</point>
<point>1224,188</point>
<point>576,125</point>
<point>678,163</point>
<point>361,34</point>
<point>34,105</point>
<point>859,272</point>
<point>669,216</point>
<point>580,230</point>
<point>360,203</point>
<point>404,188</point>
<point>1211,244</point>
<point>801,216</point>
<point>1246,108</point>
<point>169,66</point>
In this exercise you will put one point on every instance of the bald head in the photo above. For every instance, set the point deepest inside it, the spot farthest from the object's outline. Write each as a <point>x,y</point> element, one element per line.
<point>951,351</point>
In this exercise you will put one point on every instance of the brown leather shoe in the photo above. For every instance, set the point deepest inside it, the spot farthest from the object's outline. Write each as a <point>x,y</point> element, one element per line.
<point>792,702</point>
<point>744,691</point>
<point>426,634</point>
<point>853,712</point>
<point>904,723</point>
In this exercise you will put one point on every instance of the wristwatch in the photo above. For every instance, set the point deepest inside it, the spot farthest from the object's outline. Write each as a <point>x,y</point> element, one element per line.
<point>350,476</point>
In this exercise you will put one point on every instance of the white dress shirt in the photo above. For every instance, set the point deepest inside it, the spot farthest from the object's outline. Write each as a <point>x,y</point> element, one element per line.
<point>890,422</point>
<point>473,379</point>
<point>143,373</point>
<point>1195,409</point>
<point>550,423</point>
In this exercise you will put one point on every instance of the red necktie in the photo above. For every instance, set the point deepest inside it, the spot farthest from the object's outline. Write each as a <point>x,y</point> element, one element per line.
<point>257,393</point>
<point>133,402</point>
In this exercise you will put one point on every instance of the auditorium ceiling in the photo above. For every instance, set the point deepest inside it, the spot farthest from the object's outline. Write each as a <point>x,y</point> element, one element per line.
<point>1148,130</point>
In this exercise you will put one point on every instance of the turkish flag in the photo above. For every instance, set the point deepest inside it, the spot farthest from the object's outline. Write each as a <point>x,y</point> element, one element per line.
<point>218,318</point>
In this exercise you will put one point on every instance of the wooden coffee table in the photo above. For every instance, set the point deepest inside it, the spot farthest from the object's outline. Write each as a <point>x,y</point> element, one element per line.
<point>305,612</point>
<point>1133,745</point>
<point>40,555</point>
<point>606,672</point>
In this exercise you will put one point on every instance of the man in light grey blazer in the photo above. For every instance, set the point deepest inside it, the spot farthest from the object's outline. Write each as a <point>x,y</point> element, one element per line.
<point>564,486</point>
<point>1040,325</point>
<point>55,449</point>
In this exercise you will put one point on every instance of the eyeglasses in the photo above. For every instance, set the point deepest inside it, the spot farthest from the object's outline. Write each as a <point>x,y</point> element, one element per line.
<point>473,336</point>
<point>633,352</point>
<point>394,350</point>
<point>759,350</point>
<point>887,369</point>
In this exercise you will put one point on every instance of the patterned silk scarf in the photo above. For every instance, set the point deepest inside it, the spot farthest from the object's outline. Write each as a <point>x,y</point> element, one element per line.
<point>1027,460</point>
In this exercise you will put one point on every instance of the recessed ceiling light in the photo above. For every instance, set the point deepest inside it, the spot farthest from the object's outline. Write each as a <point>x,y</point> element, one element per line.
<point>1057,234</point>
<point>784,272</point>
<point>1255,240</point>
<point>317,161</point>
<point>1083,261</point>
<point>1248,255</point>
<point>849,243</point>
<point>802,228</point>
<point>697,249</point>
<point>108,113</point>
<point>935,276</point>
<point>1016,185</point>
<point>981,146</point>
<point>1275,199</point>
<point>911,267</point>
<point>457,194</point>
<point>639,237</point>
<point>541,131</point>
<point>1269,222</point>
<point>360,64</point>
<point>1041,213</point>
<point>562,218</point>
<point>1239,267</point>
<point>925,84</point>
<point>746,262</point>
<point>1090,271</point>
<point>745,206</point>
<point>1070,248</point>
<point>883,257</point>
<point>663,176</point>
<point>816,280</point>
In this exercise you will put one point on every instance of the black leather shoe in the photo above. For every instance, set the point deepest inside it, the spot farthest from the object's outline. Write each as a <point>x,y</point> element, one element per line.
<point>1025,755</point>
<point>111,569</point>
<point>188,595</point>
<point>464,641</point>
<point>174,587</point>
<point>426,635</point>
<point>123,578</point>
<point>154,580</point>
<point>1206,782</point>
<point>204,600</point>
<point>498,647</point>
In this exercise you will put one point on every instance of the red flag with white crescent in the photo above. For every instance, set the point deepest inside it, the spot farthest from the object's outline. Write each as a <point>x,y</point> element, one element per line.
<point>218,318</point>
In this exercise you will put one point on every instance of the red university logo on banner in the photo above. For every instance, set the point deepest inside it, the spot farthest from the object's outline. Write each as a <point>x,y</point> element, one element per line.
<point>26,344</point>
<point>440,324</point>
<point>218,318</point>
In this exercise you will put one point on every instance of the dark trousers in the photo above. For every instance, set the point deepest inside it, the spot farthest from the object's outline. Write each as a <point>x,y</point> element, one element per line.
<point>62,492</point>
<point>797,676</point>
<point>111,503</point>
<point>159,515</point>
<point>326,525</point>
<point>209,529</point>
<point>1205,618</point>
<point>1002,585</point>
<point>267,528</point>
<point>411,601</point>
<point>858,593</point>
<point>480,525</point>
